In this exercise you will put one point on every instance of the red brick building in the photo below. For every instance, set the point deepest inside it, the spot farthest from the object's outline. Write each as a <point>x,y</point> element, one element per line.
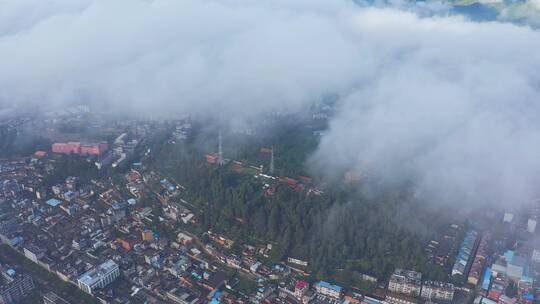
<point>75,147</point>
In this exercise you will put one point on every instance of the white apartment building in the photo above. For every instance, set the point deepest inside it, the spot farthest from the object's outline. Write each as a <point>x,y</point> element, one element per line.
<point>99,276</point>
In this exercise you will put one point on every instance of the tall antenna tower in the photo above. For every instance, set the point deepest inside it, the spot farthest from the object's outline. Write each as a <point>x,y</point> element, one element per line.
<point>271,170</point>
<point>220,151</point>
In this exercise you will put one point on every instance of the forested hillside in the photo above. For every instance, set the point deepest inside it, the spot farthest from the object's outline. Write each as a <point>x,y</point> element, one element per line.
<point>363,227</point>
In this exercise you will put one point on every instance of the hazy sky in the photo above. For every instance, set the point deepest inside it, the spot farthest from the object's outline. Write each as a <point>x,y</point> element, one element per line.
<point>451,102</point>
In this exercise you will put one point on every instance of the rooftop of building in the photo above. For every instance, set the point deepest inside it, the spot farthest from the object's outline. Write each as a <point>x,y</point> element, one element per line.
<point>330,286</point>
<point>409,275</point>
<point>53,202</point>
<point>300,284</point>
<point>439,284</point>
<point>95,274</point>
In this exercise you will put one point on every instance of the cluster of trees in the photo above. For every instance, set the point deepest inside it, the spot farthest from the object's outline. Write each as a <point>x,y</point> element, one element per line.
<point>14,144</point>
<point>292,140</point>
<point>340,229</point>
<point>340,233</point>
<point>8,136</point>
<point>72,165</point>
<point>72,127</point>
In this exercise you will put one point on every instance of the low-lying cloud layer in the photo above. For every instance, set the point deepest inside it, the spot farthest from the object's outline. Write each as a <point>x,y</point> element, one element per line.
<point>190,55</point>
<point>450,102</point>
<point>453,104</point>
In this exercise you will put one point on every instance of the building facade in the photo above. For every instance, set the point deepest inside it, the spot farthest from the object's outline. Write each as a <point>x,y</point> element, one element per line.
<point>327,289</point>
<point>300,288</point>
<point>394,298</point>
<point>99,277</point>
<point>432,290</point>
<point>535,256</point>
<point>75,147</point>
<point>405,282</point>
<point>33,253</point>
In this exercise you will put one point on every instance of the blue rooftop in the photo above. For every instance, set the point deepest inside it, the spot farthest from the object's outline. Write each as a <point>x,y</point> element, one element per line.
<point>527,279</point>
<point>509,256</point>
<point>215,298</point>
<point>53,202</point>
<point>328,285</point>
<point>117,205</point>
<point>16,240</point>
<point>487,278</point>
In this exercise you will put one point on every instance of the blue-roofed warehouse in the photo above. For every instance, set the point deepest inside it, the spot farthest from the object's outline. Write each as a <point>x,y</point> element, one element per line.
<point>487,279</point>
<point>53,202</point>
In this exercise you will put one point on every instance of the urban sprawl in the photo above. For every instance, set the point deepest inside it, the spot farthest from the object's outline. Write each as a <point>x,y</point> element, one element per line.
<point>100,238</point>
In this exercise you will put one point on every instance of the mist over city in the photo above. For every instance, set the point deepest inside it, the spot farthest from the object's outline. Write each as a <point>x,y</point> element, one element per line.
<point>242,151</point>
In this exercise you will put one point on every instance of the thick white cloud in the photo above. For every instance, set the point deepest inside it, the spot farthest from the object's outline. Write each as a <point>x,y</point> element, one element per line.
<point>453,104</point>
<point>448,101</point>
<point>188,54</point>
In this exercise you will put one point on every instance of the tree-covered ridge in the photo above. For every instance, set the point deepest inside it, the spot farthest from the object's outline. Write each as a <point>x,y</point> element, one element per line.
<point>346,229</point>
